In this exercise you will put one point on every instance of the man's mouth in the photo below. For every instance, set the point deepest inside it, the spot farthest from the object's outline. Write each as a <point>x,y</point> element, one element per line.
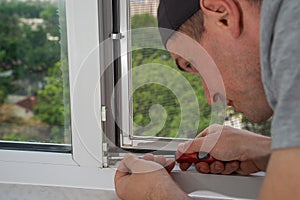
<point>230,103</point>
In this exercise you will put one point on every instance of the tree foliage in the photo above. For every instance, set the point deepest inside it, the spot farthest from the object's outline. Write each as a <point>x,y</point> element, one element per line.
<point>50,107</point>
<point>143,20</point>
<point>29,47</point>
<point>23,42</point>
<point>152,94</point>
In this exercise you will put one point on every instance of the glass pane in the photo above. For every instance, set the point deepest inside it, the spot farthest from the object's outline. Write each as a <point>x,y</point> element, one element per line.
<point>34,87</point>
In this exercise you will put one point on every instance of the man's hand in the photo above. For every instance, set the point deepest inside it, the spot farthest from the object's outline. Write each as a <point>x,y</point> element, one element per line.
<point>235,150</point>
<point>146,178</point>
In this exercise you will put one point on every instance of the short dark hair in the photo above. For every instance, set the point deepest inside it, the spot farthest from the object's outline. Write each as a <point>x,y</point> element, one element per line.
<point>194,26</point>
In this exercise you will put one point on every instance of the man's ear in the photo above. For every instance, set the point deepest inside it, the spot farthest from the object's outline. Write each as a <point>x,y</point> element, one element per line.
<point>223,14</point>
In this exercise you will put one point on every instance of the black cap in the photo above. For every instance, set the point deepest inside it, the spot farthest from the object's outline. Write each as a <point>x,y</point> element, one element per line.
<point>172,14</point>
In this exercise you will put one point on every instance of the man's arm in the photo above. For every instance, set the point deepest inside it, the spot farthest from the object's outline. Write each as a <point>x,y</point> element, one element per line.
<point>283,175</point>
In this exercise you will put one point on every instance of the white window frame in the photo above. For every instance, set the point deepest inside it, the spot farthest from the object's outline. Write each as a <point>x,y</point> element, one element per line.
<point>81,168</point>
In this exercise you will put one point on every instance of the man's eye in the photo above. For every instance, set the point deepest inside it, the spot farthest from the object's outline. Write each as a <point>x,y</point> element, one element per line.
<point>180,68</point>
<point>189,66</point>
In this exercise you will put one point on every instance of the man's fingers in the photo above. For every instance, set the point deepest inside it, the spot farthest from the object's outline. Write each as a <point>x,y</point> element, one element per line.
<point>150,163</point>
<point>203,133</point>
<point>119,175</point>
<point>122,171</point>
<point>130,161</point>
<point>124,164</point>
<point>247,167</point>
<point>194,145</point>
<point>148,156</point>
<point>202,167</point>
<point>160,159</point>
<point>170,165</point>
<point>217,167</point>
<point>184,166</point>
<point>213,129</point>
<point>205,141</point>
<point>191,146</point>
<point>231,167</point>
<point>136,165</point>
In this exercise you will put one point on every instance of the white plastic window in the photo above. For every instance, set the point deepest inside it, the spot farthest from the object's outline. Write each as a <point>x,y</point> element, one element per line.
<point>80,164</point>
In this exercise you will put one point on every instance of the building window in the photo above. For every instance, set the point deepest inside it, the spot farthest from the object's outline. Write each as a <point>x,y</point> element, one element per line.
<point>34,83</point>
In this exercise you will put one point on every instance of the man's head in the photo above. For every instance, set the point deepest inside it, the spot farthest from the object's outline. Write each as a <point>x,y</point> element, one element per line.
<point>229,31</point>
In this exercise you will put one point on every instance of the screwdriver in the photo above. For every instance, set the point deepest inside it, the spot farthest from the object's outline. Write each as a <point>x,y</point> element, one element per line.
<point>194,157</point>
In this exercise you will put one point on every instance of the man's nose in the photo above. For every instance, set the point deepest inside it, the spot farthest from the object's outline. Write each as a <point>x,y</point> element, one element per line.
<point>208,95</point>
<point>212,97</point>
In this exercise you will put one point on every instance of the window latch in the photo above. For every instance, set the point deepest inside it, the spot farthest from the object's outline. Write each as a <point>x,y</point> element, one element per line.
<point>116,36</point>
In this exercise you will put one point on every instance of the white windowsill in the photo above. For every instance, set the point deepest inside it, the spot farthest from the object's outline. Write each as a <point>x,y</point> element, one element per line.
<point>211,186</point>
<point>59,172</point>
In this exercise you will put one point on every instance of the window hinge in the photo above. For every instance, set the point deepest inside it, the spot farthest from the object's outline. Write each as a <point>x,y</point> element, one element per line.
<point>103,113</point>
<point>105,161</point>
<point>104,147</point>
<point>116,36</point>
<point>105,154</point>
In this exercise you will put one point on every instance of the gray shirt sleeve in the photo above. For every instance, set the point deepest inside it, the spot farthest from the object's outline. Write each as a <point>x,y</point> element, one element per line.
<point>281,69</point>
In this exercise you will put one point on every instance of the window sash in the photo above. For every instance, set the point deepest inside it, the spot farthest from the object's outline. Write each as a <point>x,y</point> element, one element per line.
<point>84,74</point>
<point>84,62</point>
<point>127,139</point>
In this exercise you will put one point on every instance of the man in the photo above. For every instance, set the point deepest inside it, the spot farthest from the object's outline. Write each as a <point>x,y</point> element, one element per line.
<point>255,45</point>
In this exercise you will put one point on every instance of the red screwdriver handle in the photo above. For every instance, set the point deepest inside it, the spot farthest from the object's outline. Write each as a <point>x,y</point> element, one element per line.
<point>194,157</point>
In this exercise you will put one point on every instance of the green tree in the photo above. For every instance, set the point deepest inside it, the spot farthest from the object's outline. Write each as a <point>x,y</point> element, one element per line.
<point>51,18</point>
<point>148,95</point>
<point>144,32</point>
<point>30,48</point>
<point>50,107</point>
<point>5,87</point>
<point>151,94</point>
<point>23,45</point>
<point>143,20</point>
